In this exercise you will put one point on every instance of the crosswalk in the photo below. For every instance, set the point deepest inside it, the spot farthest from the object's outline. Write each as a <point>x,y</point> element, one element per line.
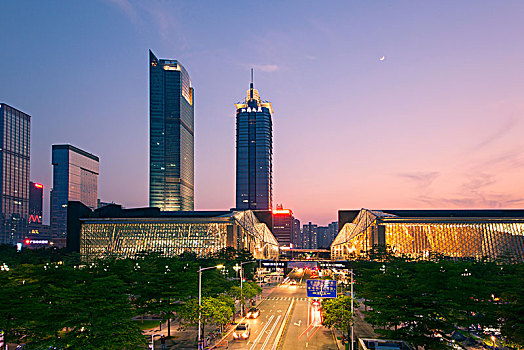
<point>285,298</point>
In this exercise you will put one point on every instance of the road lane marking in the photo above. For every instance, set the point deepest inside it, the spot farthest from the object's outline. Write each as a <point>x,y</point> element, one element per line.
<point>278,338</point>
<point>271,332</point>
<point>261,333</point>
<point>298,324</point>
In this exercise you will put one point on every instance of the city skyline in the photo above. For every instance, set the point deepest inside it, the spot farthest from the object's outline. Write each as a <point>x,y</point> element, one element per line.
<point>400,108</point>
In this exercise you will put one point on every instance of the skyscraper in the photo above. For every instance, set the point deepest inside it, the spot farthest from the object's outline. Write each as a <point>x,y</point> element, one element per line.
<point>283,225</point>
<point>297,234</point>
<point>36,198</point>
<point>254,172</point>
<point>171,136</point>
<point>14,173</point>
<point>310,235</point>
<point>75,178</point>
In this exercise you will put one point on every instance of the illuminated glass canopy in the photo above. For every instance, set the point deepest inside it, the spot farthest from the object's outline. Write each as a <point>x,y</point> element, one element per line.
<point>449,233</point>
<point>174,235</point>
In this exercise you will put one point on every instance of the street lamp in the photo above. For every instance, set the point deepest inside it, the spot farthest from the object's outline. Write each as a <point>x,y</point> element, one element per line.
<point>153,340</point>
<point>237,268</point>
<point>352,309</point>
<point>200,269</point>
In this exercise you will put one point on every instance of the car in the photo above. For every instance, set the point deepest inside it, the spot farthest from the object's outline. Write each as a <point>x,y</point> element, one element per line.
<point>293,283</point>
<point>253,313</point>
<point>241,331</point>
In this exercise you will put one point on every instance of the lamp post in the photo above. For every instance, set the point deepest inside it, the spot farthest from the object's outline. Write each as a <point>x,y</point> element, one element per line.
<point>200,269</point>
<point>238,267</point>
<point>352,309</point>
<point>153,340</point>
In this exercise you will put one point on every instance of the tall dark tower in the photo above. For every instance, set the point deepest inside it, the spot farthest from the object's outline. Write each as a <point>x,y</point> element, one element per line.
<point>171,136</point>
<point>254,152</point>
<point>14,174</point>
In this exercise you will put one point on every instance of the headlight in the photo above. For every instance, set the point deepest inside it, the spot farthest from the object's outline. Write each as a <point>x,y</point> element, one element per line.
<point>244,335</point>
<point>235,335</point>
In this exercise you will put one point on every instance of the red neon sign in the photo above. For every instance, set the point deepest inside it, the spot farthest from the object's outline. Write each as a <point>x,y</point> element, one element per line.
<point>282,211</point>
<point>35,218</point>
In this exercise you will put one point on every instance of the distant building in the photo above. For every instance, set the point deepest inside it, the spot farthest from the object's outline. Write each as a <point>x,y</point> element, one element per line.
<point>35,228</point>
<point>75,178</point>
<point>171,136</point>
<point>323,240</point>
<point>326,235</point>
<point>332,231</point>
<point>36,199</point>
<point>254,153</point>
<point>14,175</point>
<point>297,234</point>
<point>100,204</point>
<point>283,225</point>
<point>310,234</point>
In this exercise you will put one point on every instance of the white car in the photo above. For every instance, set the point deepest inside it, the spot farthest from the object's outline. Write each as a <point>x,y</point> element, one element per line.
<point>241,331</point>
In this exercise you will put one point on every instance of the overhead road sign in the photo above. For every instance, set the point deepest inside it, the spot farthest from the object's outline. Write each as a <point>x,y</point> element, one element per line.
<point>321,288</point>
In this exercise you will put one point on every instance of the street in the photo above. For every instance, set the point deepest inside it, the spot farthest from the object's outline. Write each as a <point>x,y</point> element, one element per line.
<point>284,321</point>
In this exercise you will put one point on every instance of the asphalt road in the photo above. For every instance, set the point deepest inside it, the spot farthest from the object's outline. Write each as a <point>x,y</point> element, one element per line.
<point>276,328</point>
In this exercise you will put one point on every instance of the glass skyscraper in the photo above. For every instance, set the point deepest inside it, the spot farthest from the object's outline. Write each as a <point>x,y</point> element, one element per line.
<point>14,174</point>
<point>75,178</point>
<point>171,136</point>
<point>254,172</point>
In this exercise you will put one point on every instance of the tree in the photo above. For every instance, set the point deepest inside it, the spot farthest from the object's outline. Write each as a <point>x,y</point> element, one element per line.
<point>212,311</point>
<point>249,290</point>
<point>337,314</point>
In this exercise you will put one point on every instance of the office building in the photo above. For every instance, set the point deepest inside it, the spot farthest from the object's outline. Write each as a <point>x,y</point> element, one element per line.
<point>35,228</point>
<point>75,178</point>
<point>15,129</point>
<point>125,233</point>
<point>310,235</point>
<point>297,234</point>
<point>332,231</point>
<point>421,234</point>
<point>171,136</point>
<point>36,199</point>
<point>283,226</point>
<point>254,152</point>
<point>323,240</point>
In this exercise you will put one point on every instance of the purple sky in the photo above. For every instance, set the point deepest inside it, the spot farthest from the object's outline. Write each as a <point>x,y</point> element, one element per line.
<point>437,124</point>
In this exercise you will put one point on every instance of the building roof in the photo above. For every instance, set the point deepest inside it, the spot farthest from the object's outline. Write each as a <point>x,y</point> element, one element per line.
<point>77,150</point>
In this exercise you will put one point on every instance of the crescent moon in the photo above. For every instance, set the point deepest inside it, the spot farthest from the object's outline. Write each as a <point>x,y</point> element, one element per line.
<point>382,58</point>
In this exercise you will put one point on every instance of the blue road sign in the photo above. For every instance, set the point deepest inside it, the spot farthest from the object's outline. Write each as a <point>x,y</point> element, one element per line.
<point>321,288</point>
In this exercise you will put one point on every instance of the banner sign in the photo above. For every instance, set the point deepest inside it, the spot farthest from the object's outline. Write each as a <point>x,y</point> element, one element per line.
<point>341,265</point>
<point>321,288</point>
<point>272,264</point>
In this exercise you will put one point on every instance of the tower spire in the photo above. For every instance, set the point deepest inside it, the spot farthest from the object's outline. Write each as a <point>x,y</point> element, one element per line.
<point>251,85</point>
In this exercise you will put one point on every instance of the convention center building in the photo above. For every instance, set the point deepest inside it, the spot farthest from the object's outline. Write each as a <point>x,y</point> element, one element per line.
<point>122,233</point>
<point>477,234</point>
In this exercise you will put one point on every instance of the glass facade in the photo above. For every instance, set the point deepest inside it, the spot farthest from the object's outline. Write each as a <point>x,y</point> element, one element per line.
<point>14,175</point>
<point>476,237</point>
<point>171,236</point>
<point>75,178</point>
<point>254,141</point>
<point>171,136</point>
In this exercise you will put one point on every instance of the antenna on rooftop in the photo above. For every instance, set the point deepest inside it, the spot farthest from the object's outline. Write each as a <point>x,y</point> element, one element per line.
<point>251,86</point>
